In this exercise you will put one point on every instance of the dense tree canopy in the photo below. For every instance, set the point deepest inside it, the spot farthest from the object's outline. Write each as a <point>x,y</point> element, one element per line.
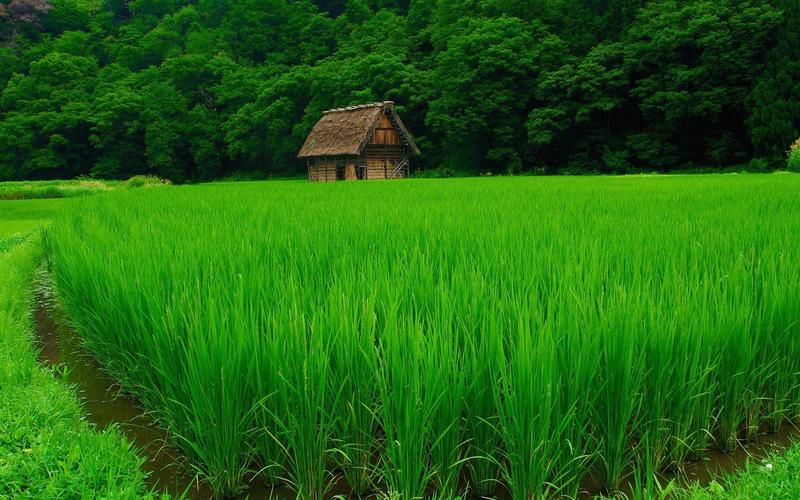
<point>198,89</point>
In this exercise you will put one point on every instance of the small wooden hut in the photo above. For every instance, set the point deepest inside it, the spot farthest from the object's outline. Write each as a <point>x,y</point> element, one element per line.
<point>358,143</point>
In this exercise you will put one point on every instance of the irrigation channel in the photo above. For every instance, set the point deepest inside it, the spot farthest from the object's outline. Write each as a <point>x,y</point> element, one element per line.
<point>105,404</point>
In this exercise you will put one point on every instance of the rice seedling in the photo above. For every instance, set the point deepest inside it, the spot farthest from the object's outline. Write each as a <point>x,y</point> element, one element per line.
<point>406,409</point>
<point>578,357</point>
<point>533,418</point>
<point>618,415</point>
<point>271,394</point>
<point>444,385</point>
<point>483,355</point>
<point>354,368</point>
<point>306,433</point>
<point>422,338</point>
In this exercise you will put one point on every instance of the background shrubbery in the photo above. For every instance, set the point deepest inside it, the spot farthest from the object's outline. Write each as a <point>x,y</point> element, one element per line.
<point>26,190</point>
<point>138,181</point>
<point>198,90</point>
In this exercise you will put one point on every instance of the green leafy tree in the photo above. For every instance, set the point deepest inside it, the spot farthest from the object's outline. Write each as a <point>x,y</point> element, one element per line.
<point>483,95</point>
<point>692,65</point>
<point>774,102</point>
<point>51,103</point>
<point>265,132</point>
<point>117,133</point>
<point>582,120</point>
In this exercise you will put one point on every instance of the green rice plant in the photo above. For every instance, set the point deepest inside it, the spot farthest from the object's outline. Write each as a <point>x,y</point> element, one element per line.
<point>406,409</point>
<point>764,372</point>
<point>677,411</point>
<point>483,355</point>
<point>270,389</point>
<point>660,392</point>
<point>306,433</point>
<point>354,370</point>
<point>782,400</point>
<point>780,346</point>
<point>444,385</point>
<point>189,366</point>
<point>646,484</point>
<point>689,412</point>
<point>531,423</point>
<point>620,402</point>
<point>272,396</point>
<point>216,406</point>
<point>577,353</point>
<point>736,355</point>
<point>694,406</point>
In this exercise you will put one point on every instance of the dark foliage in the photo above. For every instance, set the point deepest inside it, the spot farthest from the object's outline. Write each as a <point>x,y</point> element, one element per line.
<point>194,90</point>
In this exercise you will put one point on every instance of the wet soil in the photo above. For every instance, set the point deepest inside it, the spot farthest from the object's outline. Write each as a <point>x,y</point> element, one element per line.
<point>105,404</point>
<point>716,463</point>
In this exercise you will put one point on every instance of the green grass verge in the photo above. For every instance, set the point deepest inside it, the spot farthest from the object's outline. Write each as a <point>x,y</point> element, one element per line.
<point>777,476</point>
<point>47,449</point>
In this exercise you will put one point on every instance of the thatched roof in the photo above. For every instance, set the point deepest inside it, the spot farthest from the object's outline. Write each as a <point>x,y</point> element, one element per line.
<point>347,131</point>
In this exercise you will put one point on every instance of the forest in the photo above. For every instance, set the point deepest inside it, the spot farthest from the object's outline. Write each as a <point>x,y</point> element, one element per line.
<point>204,89</point>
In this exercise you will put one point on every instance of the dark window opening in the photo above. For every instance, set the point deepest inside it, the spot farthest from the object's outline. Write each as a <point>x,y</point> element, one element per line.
<point>340,170</point>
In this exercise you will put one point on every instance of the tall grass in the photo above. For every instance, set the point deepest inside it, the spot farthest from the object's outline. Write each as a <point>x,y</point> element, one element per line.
<point>428,338</point>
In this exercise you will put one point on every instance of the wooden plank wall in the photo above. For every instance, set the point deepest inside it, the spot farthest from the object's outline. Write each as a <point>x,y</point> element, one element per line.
<point>381,161</point>
<point>385,133</point>
<point>324,169</point>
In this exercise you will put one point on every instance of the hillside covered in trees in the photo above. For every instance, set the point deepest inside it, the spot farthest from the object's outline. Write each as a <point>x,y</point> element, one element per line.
<point>193,90</point>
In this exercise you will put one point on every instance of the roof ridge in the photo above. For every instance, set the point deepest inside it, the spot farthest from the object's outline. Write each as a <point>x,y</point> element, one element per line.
<point>360,106</point>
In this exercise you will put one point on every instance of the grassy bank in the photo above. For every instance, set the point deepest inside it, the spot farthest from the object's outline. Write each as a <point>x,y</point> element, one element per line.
<point>516,331</point>
<point>47,450</point>
<point>775,477</point>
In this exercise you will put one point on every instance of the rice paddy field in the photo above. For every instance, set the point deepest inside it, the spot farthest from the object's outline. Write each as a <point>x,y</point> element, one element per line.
<point>441,339</point>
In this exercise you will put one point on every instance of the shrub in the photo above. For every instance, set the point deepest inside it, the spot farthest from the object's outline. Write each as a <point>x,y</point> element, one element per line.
<point>793,162</point>
<point>758,165</point>
<point>138,181</point>
<point>616,161</point>
<point>52,189</point>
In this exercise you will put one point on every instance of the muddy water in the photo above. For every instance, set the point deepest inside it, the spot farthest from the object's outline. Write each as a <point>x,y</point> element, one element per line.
<point>104,404</point>
<point>717,464</point>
